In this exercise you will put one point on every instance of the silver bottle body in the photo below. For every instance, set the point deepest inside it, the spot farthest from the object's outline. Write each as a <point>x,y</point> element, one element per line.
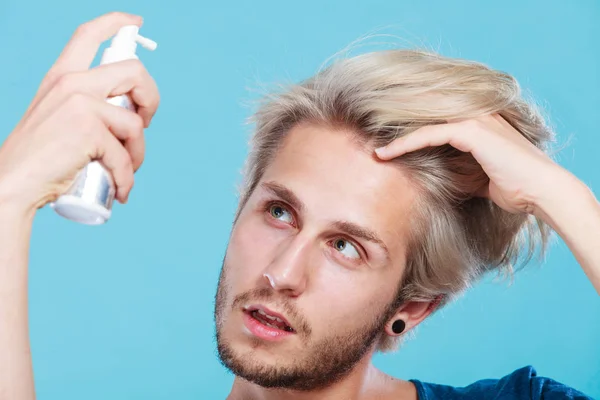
<point>90,197</point>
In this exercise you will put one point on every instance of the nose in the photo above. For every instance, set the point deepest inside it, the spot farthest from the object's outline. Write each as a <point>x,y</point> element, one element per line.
<point>289,270</point>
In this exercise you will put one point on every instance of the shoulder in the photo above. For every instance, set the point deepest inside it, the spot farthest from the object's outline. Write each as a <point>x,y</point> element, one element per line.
<point>523,383</point>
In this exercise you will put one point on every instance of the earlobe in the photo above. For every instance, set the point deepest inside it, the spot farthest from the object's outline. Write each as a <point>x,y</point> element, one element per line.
<point>410,315</point>
<point>398,326</point>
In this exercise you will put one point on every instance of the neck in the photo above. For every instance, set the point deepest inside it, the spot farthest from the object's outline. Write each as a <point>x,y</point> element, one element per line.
<point>364,382</point>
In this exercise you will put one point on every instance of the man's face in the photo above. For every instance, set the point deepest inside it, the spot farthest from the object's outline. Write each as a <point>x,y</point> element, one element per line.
<point>313,263</point>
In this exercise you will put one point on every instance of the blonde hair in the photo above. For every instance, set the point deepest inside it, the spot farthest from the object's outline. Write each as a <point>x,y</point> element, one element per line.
<point>456,236</point>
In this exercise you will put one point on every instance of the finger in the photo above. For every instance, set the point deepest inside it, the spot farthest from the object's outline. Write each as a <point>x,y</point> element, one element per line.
<point>118,162</point>
<point>80,51</point>
<point>453,134</point>
<point>126,77</point>
<point>111,80</point>
<point>127,128</point>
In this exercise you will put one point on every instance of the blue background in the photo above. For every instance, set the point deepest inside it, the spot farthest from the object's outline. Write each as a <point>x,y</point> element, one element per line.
<point>124,311</point>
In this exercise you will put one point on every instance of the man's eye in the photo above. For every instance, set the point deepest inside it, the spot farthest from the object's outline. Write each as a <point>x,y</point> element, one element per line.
<point>346,248</point>
<point>281,213</point>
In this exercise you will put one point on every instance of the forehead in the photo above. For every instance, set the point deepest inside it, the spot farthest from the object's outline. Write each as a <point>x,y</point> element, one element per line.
<point>339,179</point>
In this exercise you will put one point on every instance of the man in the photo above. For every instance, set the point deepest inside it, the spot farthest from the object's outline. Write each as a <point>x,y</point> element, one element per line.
<point>375,192</point>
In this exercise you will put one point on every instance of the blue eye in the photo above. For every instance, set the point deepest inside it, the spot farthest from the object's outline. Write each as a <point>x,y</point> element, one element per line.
<point>346,248</point>
<point>280,213</point>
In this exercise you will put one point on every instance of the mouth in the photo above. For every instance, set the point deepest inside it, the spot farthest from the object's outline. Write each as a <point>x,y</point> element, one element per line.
<point>267,323</point>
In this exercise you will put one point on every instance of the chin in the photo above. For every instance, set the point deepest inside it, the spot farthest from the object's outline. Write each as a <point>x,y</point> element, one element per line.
<point>249,358</point>
<point>242,345</point>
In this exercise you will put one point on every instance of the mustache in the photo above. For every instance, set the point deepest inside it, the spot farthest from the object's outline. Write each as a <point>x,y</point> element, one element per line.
<point>283,304</point>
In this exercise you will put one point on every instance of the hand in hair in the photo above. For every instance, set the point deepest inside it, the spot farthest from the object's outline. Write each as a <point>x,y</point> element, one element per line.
<point>522,179</point>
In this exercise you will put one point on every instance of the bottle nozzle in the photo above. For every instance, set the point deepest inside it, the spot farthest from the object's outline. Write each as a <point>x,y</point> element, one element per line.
<point>124,43</point>
<point>146,43</point>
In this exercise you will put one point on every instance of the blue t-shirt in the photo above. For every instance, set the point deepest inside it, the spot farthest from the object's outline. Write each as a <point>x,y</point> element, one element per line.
<point>522,384</point>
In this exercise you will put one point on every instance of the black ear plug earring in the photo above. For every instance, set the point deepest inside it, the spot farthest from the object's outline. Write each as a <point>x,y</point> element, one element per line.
<point>398,326</point>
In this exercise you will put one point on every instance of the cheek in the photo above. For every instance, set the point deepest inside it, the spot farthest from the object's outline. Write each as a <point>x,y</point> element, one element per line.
<point>353,299</point>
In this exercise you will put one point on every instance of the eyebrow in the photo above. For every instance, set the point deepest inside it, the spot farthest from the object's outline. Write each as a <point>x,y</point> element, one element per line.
<point>284,194</point>
<point>353,229</point>
<point>349,228</point>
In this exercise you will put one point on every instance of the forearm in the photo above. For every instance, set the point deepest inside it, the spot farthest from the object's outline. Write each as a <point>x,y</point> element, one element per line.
<point>16,373</point>
<point>574,213</point>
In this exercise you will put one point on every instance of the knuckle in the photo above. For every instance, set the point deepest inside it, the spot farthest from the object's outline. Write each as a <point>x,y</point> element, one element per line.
<point>130,182</point>
<point>115,15</point>
<point>84,29</point>
<point>121,165</point>
<point>140,160</point>
<point>124,182</point>
<point>137,65</point>
<point>126,164</point>
<point>66,83</point>
<point>52,77</point>
<point>137,126</point>
<point>137,68</point>
<point>156,97</point>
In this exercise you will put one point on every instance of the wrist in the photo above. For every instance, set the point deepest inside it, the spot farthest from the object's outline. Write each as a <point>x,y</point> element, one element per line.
<point>13,206</point>
<point>563,197</point>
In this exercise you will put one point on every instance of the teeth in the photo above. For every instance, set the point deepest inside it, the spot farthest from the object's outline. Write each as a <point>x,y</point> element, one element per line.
<point>261,312</point>
<point>274,319</point>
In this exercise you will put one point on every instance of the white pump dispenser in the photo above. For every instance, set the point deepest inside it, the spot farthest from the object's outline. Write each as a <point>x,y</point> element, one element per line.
<point>89,199</point>
<point>124,43</point>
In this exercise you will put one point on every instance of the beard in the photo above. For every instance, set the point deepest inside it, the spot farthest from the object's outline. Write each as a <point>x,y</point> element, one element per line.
<point>322,362</point>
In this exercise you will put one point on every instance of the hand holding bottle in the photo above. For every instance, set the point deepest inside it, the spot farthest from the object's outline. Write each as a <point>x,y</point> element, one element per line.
<point>69,123</point>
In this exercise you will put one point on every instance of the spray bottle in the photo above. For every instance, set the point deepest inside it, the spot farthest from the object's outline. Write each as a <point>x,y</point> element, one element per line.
<point>89,199</point>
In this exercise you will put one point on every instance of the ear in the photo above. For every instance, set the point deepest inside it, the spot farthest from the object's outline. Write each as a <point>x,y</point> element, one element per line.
<point>412,313</point>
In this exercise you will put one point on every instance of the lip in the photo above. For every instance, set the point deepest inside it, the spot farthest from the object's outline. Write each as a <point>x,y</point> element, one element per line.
<point>263,331</point>
<point>255,307</point>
